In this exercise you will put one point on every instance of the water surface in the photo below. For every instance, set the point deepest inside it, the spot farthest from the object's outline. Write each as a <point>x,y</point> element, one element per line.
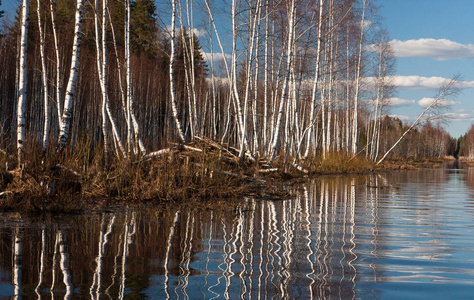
<point>382,236</point>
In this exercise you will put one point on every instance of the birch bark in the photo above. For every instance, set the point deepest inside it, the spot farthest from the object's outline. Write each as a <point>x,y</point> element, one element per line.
<point>22,100</point>
<point>315,81</point>
<point>284,95</point>
<point>47,120</point>
<point>171,72</point>
<point>71,86</point>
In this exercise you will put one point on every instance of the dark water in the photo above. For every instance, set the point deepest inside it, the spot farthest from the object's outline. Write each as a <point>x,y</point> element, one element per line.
<point>389,236</point>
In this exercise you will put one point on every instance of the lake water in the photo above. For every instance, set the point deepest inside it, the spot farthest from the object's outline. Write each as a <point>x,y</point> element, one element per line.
<point>402,235</point>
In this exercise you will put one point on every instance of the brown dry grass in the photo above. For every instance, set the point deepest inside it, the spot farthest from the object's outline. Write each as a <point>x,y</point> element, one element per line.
<point>73,180</point>
<point>80,177</point>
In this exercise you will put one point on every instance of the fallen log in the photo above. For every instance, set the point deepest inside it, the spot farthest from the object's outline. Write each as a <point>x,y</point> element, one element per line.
<point>300,168</point>
<point>268,170</point>
<point>249,178</point>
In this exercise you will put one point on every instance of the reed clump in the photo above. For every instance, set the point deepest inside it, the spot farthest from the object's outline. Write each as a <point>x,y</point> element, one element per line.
<point>338,163</point>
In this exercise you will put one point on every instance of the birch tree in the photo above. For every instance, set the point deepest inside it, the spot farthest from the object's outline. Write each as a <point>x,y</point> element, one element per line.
<point>174,106</point>
<point>71,86</point>
<point>58,62</point>
<point>21,113</point>
<point>363,26</point>
<point>47,122</point>
<point>315,81</point>
<point>284,94</point>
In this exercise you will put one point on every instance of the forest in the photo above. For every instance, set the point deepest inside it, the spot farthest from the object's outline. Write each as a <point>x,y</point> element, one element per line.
<point>281,82</point>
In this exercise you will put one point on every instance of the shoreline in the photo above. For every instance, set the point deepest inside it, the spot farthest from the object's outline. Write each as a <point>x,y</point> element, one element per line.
<point>198,172</point>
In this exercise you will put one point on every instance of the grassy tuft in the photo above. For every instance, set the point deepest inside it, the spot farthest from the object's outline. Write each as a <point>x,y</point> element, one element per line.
<point>340,163</point>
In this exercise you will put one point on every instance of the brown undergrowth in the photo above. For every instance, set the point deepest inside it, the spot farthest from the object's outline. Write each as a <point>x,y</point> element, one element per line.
<point>82,178</point>
<point>202,170</point>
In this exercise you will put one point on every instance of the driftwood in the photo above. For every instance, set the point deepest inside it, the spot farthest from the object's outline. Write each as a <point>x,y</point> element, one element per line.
<point>192,148</point>
<point>300,168</point>
<point>247,154</point>
<point>249,178</point>
<point>69,170</point>
<point>268,170</point>
<point>216,145</point>
<point>156,154</point>
<point>5,193</point>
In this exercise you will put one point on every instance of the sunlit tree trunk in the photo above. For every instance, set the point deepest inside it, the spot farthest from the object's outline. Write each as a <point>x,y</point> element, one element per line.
<point>22,99</point>
<point>100,72</point>
<point>315,81</point>
<point>241,114</point>
<point>71,86</point>
<point>58,75</point>
<point>174,107</point>
<point>189,10</point>
<point>284,93</point>
<point>252,41</point>
<point>265,87</point>
<point>357,80</point>
<point>47,120</point>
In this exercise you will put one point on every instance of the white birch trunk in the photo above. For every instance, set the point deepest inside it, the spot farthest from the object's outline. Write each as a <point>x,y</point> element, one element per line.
<point>128,74</point>
<point>58,63</point>
<point>22,85</point>
<point>100,72</point>
<point>284,95</point>
<point>357,81</point>
<point>71,86</point>
<point>189,10</point>
<point>315,82</point>
<point>171,71</point>
<point>249,73</point>
<point>255,106</point>
<point>240,117</point>
<point>47,120</point>
<point>265,96</point>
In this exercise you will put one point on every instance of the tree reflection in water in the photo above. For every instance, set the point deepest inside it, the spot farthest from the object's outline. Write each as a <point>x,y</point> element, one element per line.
<point>325,243</point>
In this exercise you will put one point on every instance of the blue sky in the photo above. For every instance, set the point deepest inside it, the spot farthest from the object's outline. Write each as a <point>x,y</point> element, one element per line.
<point>432,38</point>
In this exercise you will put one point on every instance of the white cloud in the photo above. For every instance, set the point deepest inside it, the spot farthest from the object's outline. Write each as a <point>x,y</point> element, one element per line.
<point>219,80</point>
<point>425,102</point>
<point>393,102</point>
<point>459,117</point>
<point>366,23</point>
<point>415,82</point>
<point>199,32</point>
<point>399,102</point>
<point>215,56</point>
<point>439,49</point>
